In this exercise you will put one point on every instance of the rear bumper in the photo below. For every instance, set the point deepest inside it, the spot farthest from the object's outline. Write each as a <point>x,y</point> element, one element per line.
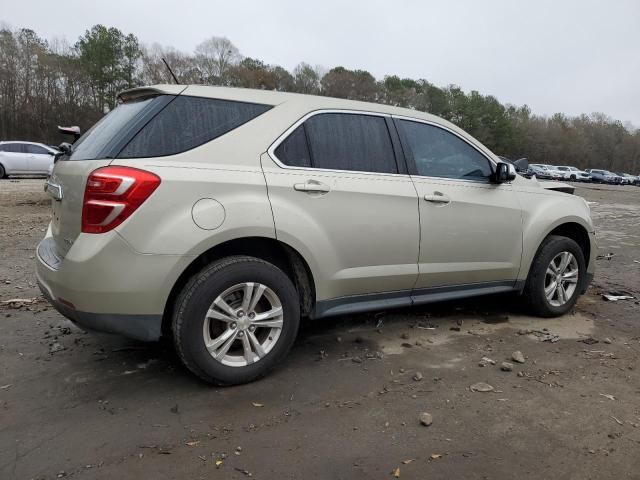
<point>102,284</point>
<point>147,328</point>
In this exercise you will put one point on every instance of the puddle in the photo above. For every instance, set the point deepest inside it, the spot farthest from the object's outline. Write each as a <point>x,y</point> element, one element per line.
<point>568,327</point>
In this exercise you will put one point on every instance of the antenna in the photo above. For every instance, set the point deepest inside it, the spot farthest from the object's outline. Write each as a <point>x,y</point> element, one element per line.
<point>175,79</point>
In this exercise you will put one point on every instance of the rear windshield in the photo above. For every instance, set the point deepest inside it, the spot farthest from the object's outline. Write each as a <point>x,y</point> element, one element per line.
<point>162,125</point>
<point>111,131</point>
<point>188,122</point>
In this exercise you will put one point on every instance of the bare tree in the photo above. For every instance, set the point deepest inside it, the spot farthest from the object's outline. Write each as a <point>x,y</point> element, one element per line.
<point>214,57</point>
<point>153,69</point>
<point>306,78</point>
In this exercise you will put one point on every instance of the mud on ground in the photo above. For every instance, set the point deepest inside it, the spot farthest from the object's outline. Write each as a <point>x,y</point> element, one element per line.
<point>347,401</point>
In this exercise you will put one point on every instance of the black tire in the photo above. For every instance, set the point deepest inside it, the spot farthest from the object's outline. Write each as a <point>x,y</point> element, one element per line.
<point>197,296</point>
<point>534,288</point>
<point>2,172</point>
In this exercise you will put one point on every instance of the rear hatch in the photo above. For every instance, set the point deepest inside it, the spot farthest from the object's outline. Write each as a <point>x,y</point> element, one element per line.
<point>97,148</point>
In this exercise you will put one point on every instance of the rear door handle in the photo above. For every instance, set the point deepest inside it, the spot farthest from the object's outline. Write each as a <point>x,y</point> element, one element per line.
<point>311,186</point>
<point>437,197</point>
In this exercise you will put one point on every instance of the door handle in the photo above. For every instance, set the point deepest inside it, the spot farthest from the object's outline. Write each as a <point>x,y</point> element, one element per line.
<point>311,186</point>
<point>437,197</point>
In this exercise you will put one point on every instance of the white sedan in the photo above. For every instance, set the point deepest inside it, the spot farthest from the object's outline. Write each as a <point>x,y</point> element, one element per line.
<point>26,158</point>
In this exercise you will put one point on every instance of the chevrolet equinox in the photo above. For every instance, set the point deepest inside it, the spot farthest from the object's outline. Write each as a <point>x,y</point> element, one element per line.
<point>220,217</point>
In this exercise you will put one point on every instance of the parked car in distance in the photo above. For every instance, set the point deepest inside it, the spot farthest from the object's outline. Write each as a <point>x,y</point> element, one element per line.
<point>626,179</point>
<point>575,174</point>
<point>25,158</point>
<point>603,176</point>
<point>618,179</point>
<point>227,215</point>
<point>564,175</point>
<point>545,172</point>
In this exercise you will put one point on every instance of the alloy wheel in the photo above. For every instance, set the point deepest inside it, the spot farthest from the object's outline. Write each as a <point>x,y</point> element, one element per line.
<point>561,279</point>
<point>243,324</point>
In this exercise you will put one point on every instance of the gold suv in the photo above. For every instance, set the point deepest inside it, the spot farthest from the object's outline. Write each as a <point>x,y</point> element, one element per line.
<point>222,216</point>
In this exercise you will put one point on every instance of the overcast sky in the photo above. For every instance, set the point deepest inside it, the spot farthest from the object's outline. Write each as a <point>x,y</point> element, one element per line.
<point>572,56</point>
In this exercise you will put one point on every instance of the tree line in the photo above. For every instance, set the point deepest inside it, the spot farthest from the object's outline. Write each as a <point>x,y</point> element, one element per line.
<point>48,83</point>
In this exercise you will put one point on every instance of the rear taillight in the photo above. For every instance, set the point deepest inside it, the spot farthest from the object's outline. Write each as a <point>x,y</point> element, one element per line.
<point>112,194</point>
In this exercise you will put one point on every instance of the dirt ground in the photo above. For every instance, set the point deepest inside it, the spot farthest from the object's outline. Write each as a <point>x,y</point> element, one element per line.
<point>346,404</point>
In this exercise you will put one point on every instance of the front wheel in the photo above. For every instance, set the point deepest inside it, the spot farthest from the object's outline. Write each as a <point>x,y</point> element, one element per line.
<point>235,320</point>
<point>556,277</point>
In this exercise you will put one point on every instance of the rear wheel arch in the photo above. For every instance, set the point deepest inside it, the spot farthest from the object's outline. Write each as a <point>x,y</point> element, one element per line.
<point>278,253</point>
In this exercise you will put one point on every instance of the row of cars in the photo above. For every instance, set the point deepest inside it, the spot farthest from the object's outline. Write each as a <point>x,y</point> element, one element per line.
<point>595,175</point>
<point>31,158</point>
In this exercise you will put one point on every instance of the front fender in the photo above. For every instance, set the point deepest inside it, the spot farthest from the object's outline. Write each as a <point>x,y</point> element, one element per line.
<point>543,213</point>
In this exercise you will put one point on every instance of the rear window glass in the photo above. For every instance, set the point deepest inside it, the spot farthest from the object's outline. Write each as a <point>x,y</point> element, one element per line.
<point>344,141</point>
<point>188,122</point>
<point>101,139</point>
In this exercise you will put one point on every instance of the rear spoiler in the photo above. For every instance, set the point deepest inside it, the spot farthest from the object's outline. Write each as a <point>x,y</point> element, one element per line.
<point>142,92</point>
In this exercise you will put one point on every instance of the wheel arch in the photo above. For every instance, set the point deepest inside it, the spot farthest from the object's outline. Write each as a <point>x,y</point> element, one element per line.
<point>578,234</point>
<point>271,250</point>
<point>572,228</point>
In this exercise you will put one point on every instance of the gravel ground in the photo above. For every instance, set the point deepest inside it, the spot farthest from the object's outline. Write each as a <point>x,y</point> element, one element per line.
<point>349,400</point>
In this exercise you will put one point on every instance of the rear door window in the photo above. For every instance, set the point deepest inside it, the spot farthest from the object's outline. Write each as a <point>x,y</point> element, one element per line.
<point>188,122</point>
<point>346,141</point>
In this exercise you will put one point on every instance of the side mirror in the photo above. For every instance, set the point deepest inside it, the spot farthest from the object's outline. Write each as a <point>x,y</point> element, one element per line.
<point>505,172</point>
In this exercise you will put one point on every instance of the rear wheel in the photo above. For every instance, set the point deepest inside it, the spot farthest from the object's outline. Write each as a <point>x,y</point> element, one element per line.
<point>556,277</point>
<point>235,320</point>
<point>2,172</point>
